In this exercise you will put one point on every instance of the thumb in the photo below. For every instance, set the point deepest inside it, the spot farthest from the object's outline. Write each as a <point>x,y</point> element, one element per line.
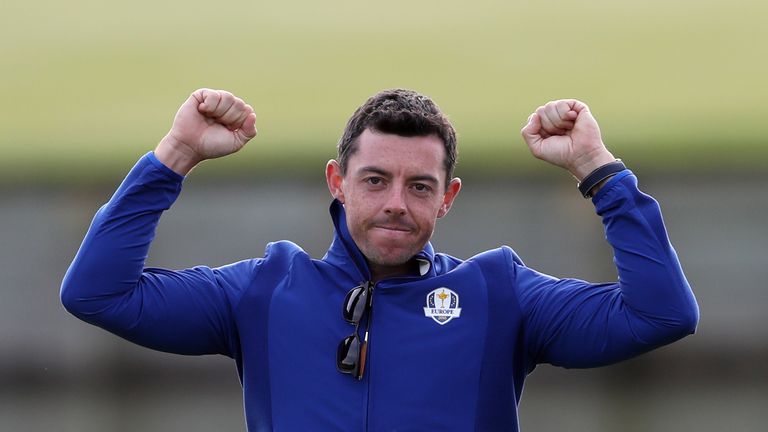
<point>247,130</point>
<point>531,131</point>
<point>583,112</point>
<point>586,123</point>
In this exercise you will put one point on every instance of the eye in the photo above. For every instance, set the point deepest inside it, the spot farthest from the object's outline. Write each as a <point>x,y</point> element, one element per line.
<point>421,188</point>
<point>373,180</point>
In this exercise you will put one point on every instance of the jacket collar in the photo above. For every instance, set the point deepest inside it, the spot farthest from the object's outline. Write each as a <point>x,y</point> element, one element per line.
<point>345,254</point>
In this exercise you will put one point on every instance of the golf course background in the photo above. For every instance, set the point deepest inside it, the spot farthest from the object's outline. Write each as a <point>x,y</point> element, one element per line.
<point>88,86</point>
<point>678,87</point>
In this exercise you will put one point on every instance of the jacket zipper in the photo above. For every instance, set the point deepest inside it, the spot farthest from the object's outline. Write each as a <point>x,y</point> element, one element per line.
<point>369,374</point>
<point>368,360</point>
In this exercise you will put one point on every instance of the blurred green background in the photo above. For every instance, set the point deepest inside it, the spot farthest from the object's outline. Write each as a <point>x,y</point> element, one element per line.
<point>88,85</point>
<point>679,89</point>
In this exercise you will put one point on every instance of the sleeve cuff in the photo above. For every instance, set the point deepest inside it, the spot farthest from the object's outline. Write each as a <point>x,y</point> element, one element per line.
<point>159,165</point>
<point>610,184</point>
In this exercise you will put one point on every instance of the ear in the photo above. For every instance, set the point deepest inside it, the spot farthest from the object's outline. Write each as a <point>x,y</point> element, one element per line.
<point>450,194</point>
<point>335,179</point>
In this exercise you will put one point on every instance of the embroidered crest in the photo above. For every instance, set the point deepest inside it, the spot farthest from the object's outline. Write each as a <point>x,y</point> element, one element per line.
<point>442,305</point>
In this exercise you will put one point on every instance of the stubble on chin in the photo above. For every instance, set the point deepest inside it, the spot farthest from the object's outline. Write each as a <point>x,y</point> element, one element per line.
<point>380,258</point>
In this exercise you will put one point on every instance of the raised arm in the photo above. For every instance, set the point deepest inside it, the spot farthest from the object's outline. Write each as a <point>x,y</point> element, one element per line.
<point>188,311</point>
<point>573,323</point>
<point>565,134</point>
<point>210,124</point>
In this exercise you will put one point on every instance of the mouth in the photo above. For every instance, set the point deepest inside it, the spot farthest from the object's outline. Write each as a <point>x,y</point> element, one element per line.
<point>396,230</point>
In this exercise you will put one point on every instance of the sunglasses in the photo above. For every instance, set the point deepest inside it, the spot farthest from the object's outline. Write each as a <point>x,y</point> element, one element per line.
<point>351,353</point>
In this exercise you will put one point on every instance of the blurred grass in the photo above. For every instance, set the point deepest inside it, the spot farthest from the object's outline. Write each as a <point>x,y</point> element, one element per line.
<point>88,86</point>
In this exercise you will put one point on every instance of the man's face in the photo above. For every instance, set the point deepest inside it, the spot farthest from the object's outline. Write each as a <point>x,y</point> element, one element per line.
<point>393,192</point>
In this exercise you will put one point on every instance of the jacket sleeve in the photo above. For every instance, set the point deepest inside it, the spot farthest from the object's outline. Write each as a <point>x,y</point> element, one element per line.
<point>573,323</point>
<point>186,312</point>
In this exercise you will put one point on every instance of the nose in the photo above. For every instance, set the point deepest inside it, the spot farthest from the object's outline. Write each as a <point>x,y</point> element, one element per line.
<point>395,204</point>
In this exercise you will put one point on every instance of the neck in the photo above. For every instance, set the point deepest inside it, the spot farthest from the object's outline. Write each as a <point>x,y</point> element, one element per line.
<point>379,271</point>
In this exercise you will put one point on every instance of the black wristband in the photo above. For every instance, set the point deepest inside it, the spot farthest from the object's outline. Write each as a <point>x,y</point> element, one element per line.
<point>599,175</point>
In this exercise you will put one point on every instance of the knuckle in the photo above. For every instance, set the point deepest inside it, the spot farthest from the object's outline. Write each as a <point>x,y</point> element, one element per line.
<point>220,103</point>
<point>227,96</point>
<point>213,95</point>
<point>199,95</point>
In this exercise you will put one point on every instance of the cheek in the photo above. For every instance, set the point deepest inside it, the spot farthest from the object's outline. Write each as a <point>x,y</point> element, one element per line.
<point>357,218</point>
<point>426,221</point>
<point>362,206</point>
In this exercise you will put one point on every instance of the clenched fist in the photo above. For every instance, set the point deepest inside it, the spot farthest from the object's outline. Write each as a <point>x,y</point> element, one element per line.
<point>209,124</point>
<point>565,134</point>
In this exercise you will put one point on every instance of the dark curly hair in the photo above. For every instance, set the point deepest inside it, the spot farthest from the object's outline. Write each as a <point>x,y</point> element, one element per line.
<point>400,112</point>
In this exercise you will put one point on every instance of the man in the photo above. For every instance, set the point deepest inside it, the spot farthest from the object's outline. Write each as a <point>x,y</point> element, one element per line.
<point>400,337</point>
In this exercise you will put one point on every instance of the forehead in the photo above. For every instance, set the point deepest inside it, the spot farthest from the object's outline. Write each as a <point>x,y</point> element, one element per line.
<point>398,154</point>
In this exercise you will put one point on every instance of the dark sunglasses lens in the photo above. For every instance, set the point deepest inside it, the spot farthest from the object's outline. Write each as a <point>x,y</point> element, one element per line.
<point>348,354</point>
<point>354,304</point>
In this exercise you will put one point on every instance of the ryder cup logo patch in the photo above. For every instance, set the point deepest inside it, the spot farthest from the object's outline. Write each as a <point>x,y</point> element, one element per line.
<point>442,305</point>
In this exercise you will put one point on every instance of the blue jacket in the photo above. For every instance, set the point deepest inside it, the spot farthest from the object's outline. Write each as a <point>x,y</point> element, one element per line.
<point>454,366</point>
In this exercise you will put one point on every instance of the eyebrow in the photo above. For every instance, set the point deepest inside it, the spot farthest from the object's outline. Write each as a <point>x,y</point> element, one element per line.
<point>384,173</point>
